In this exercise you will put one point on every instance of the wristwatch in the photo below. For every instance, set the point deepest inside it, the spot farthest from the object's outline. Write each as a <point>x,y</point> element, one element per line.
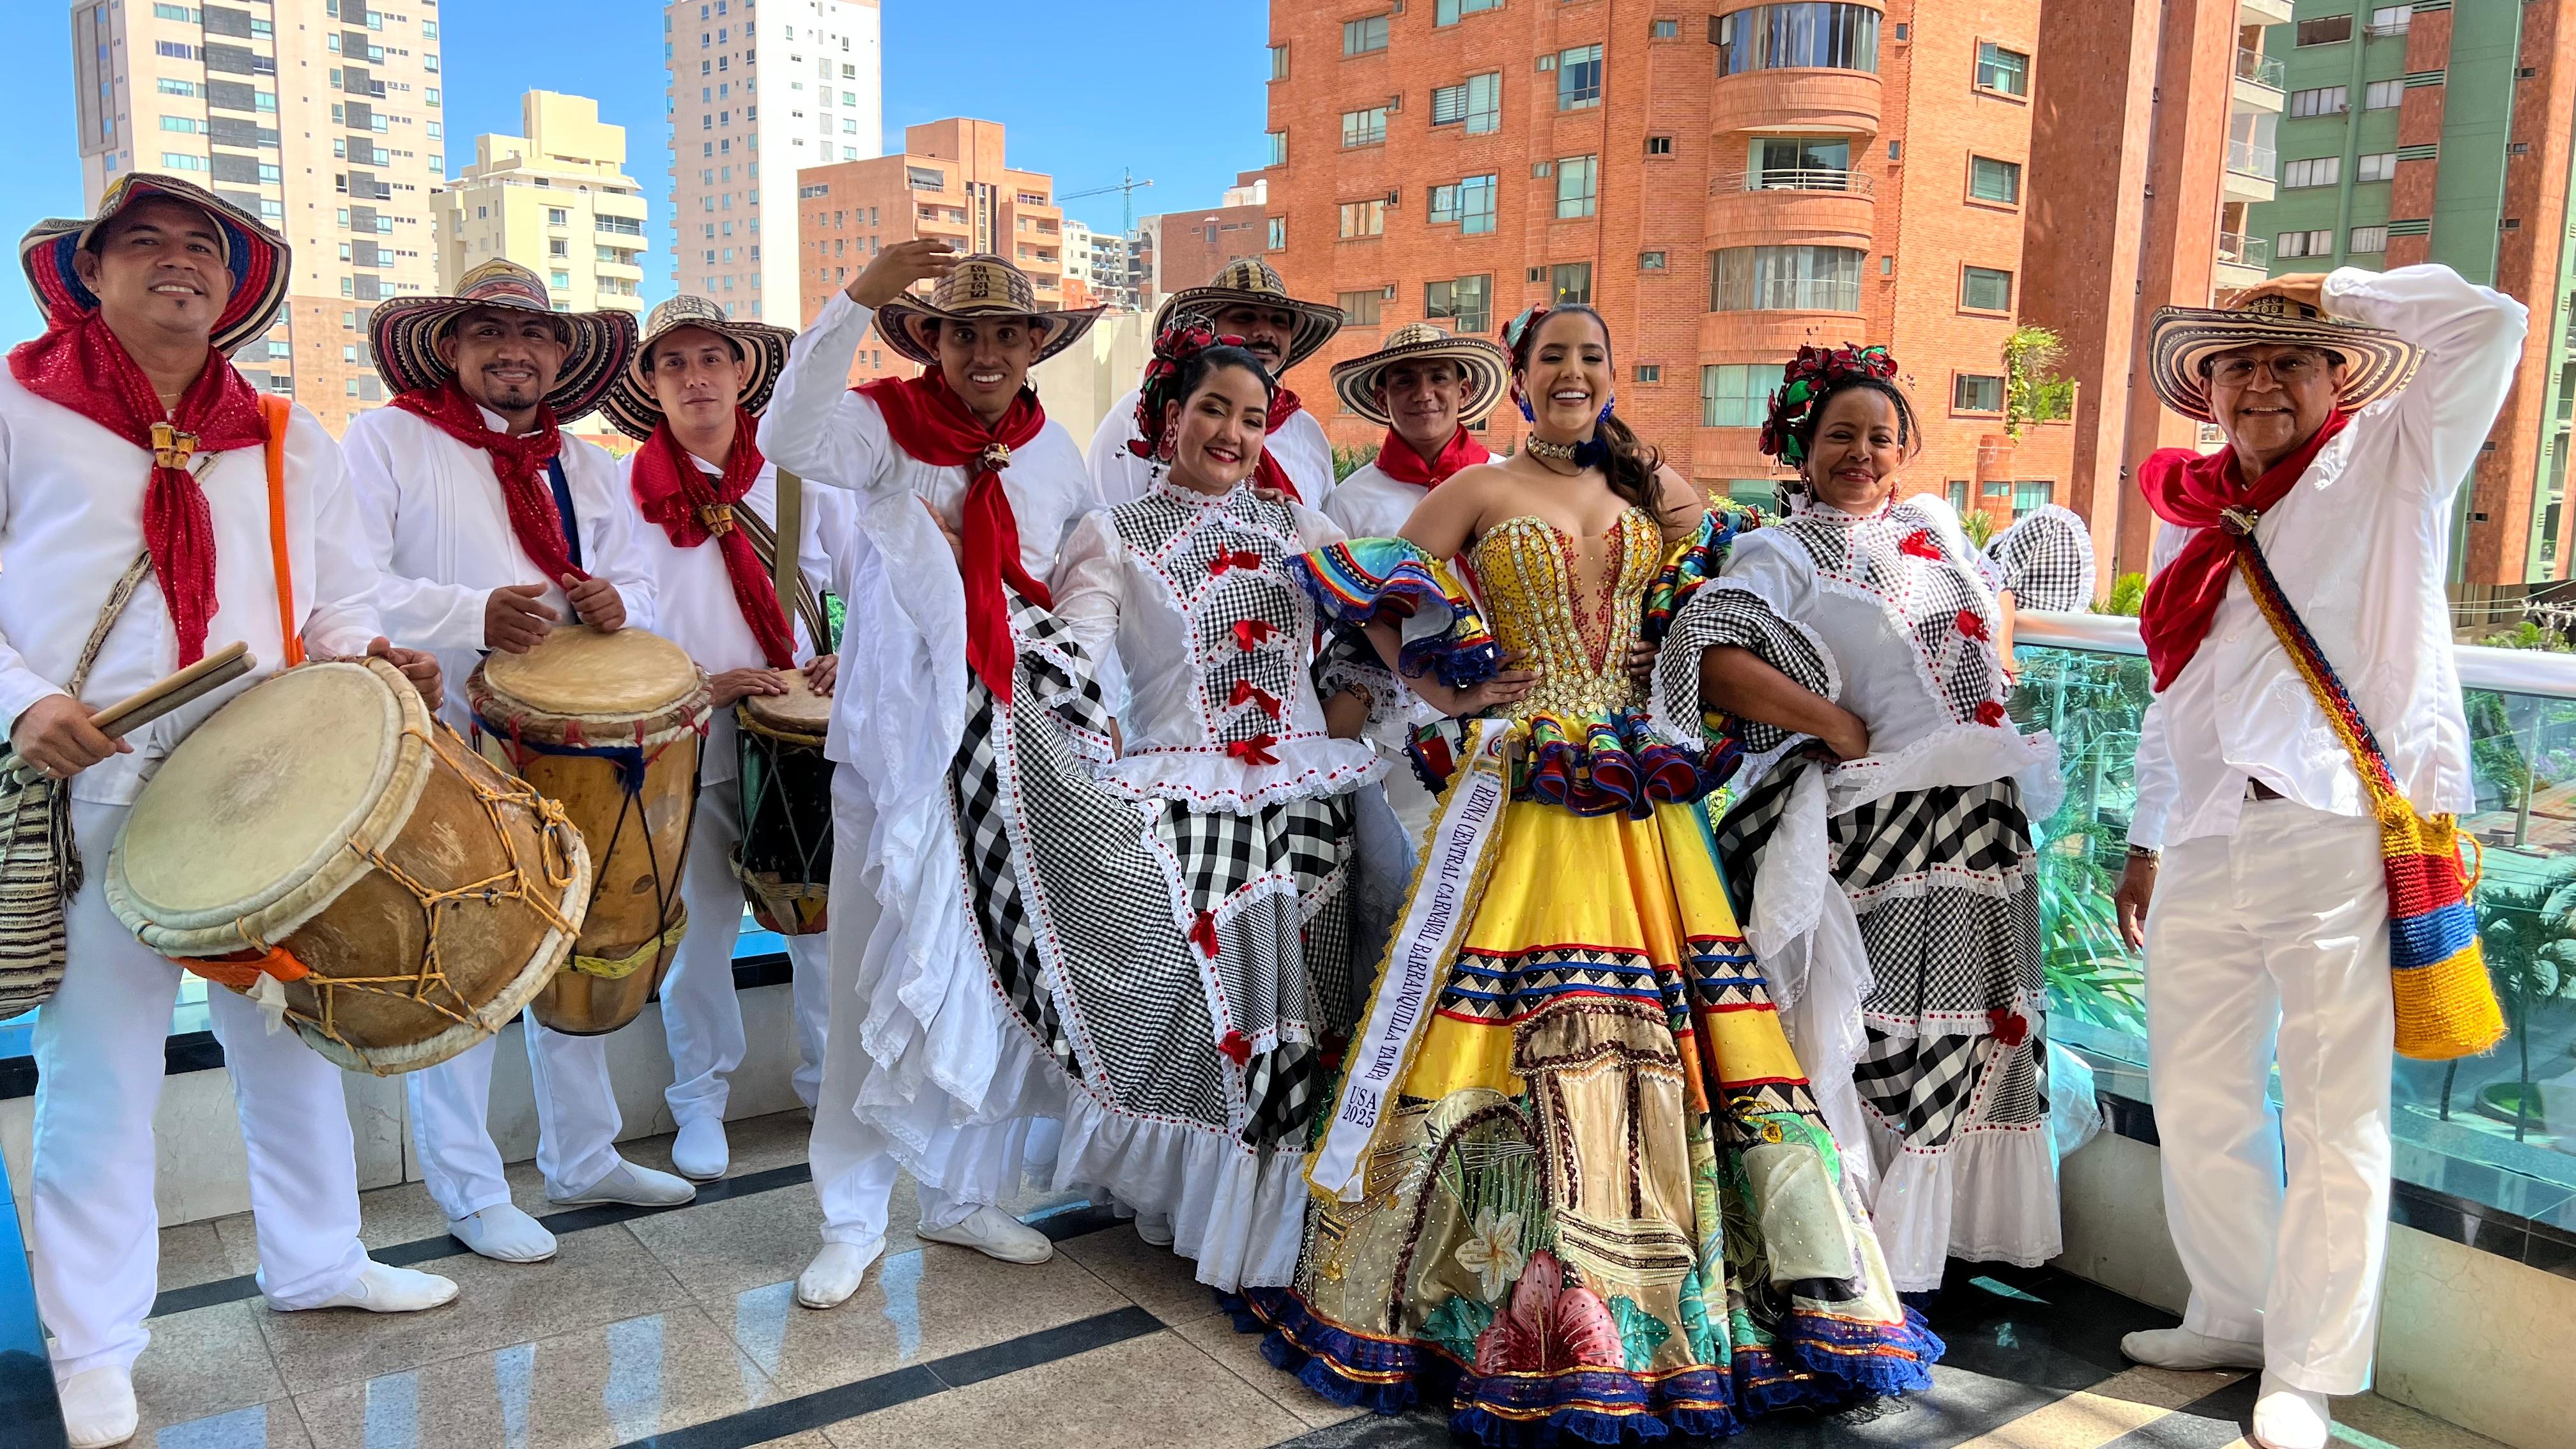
<point>2145,852</point>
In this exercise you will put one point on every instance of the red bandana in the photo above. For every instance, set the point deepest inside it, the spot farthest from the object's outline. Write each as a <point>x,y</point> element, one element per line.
<point>934,425</point>
<point>1397,459</point>
<point>518,460</point>
<point>1283,406</point>
<point>676,493</point>
<point>2198,491</point>
<point>79,363</point>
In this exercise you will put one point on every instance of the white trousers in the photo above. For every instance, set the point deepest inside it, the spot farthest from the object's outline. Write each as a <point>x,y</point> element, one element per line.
<point>701,1012</point>
<point>2271,945</point>
<point>577,1120</point>
<point>98,1045</point>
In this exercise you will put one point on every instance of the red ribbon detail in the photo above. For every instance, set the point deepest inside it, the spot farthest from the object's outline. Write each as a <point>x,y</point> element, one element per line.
<point>1971,623</point>
<point>1254,751</point>
<point>1237,559</point>
<point>1236,1048</point>
<point>1203,934</point>
<point>1246,692</point>
<point>1919,543</point>
<point>1991,713</point>
<point>2009,1027</point>
<point>1251,634</point>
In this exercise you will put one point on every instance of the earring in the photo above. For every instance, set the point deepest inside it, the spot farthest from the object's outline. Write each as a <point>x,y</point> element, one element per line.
<point>1527,415</point>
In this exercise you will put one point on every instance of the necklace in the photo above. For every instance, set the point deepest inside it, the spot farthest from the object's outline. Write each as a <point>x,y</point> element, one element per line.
<point>1547,452</point>
<point>1590,453</point>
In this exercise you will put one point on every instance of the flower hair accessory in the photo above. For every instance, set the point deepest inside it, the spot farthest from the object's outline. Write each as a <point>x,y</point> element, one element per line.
<point>1814,372</point>
<point>1186,336</point>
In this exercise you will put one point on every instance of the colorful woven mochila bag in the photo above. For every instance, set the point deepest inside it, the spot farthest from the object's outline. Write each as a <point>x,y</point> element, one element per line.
<point>2446,1005</point>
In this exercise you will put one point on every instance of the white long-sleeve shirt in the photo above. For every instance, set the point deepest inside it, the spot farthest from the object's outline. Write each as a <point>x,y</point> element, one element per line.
<point>1122,477</point>
<point>71,521</point>
<point>694,598</point>
<point>439,533</point>
<point>2361,546</point>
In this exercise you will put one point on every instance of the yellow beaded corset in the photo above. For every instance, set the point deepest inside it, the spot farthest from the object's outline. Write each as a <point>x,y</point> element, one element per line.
<point>1569,616</point>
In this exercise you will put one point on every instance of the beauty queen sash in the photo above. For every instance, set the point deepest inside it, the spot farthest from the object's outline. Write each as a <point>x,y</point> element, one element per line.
<point>1447,888</point>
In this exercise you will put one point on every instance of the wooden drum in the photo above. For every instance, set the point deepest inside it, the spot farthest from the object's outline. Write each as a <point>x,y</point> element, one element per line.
<point>609,727</point>
<point>323,844</point>
<point>784,860</point>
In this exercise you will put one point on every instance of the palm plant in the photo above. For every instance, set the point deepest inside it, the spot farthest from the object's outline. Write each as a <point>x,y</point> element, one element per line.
<point>1348,460</point>
<point>2526,930</point>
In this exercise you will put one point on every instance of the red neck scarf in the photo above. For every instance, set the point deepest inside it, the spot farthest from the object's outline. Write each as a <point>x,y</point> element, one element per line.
<point>1397,459</point>
<point>676,493</point>
<point>2200,491</point>
<point>1272,474</point>
<point>935,426</point>
<point>518,460</point>
<point>80,364</point>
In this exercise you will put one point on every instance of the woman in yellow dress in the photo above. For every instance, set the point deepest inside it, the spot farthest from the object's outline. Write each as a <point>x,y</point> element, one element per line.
<point>1573,1181</point>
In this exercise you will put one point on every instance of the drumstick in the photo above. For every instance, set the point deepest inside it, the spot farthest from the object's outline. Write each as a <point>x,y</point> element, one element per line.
<point>175,691</point>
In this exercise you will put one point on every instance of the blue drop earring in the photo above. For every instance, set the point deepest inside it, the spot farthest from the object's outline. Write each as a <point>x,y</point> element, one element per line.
<point>1527,415</point>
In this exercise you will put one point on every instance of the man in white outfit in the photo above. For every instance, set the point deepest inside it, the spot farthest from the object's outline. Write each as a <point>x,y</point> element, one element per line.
<point>1247,300</point>
<point>961,485</point>
<point>143,303</point>
<point>709,502</point>
<point>2267,935</point>
<point>490,526</point>
<point>1426,388</point>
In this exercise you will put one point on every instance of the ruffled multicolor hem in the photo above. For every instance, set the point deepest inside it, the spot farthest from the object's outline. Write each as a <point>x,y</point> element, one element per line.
<point>1372,580</point>
<point>1613,765</point>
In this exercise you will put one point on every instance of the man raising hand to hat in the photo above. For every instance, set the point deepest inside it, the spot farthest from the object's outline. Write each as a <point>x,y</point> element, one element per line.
<point>2266,920</point>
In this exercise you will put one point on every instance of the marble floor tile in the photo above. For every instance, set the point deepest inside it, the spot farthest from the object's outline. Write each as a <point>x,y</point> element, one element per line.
<point>598,1386</point>
<point>723,1248</point>
<point>925,1304</point>
<point>1215,1336</point>
<point>754,1144</point>
<point>2403,1428</point>
<point>207,1362</point>
<point>2103,1413</point>
<point>602,1276</point>
<point>277,1424</point>
<point>1145,1393</point>
<point>194,1253</point>
<point>1160,1281</point>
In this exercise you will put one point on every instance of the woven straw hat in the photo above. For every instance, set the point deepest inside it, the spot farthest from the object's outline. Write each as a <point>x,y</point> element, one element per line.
<point>255,255</point>
<point>406,330</point>
<point>1484,367</point>
<point>983,285</point>
<point>631,405</point>
<point>1250,279</point>
<point>2378,362</point>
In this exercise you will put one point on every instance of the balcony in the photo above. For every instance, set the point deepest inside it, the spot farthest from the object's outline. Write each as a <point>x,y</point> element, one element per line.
<point>2242,260</point>
<point>2249,172</point>
<point>2260,82</point>
<point>1771,205</point>
<point>1842,101</point>
<point>2262,12</point>
<point>1773,179</point>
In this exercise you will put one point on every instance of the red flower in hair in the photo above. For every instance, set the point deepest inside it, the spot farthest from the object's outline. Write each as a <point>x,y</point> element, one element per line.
<point>1184,337</point>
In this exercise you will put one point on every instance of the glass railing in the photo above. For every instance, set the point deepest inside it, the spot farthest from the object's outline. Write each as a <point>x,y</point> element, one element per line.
<point>2247,159</point>
<point>2238,249</point>
<point>2261,69</point>
<point>2499,1129</point>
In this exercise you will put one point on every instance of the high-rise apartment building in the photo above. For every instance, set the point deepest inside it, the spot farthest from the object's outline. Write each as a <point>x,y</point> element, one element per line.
<point>1724,188</point>
<point>950,181</point>
<point>2439,132</point>
<point>757,93</point>
<point>323,116</point>
<point>557,201</point>
<point>1110,271</point>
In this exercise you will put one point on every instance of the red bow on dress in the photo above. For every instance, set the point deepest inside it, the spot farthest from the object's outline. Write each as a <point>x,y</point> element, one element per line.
<point>1251,634</point>
<point>1236,559</point>
<point>1254,751</point>
<point>1246,692</point>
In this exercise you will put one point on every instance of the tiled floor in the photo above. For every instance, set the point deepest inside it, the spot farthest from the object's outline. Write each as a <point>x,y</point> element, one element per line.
<point>680,1330</point>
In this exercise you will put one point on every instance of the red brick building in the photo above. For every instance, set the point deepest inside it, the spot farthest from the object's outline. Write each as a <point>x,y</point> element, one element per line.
<point>1724,188</point>
<point>1187,247</point>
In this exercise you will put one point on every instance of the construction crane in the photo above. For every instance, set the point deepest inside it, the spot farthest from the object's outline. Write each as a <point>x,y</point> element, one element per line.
<point>1126,188</point>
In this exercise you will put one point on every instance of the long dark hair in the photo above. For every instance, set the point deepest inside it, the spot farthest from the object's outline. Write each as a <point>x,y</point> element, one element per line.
<point>1629,464</point>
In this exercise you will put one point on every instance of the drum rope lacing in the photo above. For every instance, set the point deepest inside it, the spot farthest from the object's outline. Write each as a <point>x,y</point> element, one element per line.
<point>631,794</point>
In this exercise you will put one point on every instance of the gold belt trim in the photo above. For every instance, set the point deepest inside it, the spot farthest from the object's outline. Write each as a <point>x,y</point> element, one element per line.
<point>619,968</point>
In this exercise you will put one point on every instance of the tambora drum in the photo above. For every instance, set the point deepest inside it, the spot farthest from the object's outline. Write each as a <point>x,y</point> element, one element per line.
<point>785,858</point>
<point>323,844</point>
<point>609,726</point>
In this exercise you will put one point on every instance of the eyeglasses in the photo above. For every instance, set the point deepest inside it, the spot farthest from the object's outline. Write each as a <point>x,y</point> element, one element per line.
<point>2289,369</point>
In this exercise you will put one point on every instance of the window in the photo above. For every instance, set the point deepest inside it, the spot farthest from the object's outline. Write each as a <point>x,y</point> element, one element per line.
<point>2369,239</point>
<point>1477,104</point>
<point>558,247</point>
<point>1972,392</point>
<point>1736,395</point>
<point>2325,101</point>
<point>2385,95</point>
<point>1802,35</point>
<point>1278,62</point>
<point>1466,304</point>
<point>556,216</point>
<point>1578,78</point>
<point>1278,148</point>
<point>1364,37</point>
<point>1469,202</point>
<point>173,161</point>
<point>1650,261</point>
<point>1364,128</point>
<point>2392,19</point>
<point>1447,12</point>
<point>2320,171</point>
<point>2325,30</point>
<point>1278,239</point>
<point>1665,30</point>
<point>188,125</point>
<point>1784,279</point>
<point>1576,185</point>
<point>1361,309</point>
<point>1993,180</point>
<point>2002,70</point>
<point>1983,289</point>
<point>1650,372</point>
<point>1957,492</point>
<point>2381,166</point>
<point>171,87</point>
<point>560,281</point>
<point>925,178</point>
<point>2032,493</point>
<point>174,50</point>
<point>1571,282</point>
<point>1363,218</point>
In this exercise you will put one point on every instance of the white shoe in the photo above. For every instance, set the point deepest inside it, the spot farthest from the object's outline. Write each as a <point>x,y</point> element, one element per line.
<point>995,1234</point>
<point>2291,1418</point>
<point>633,1186</point>
<point>384,1288</point>
<point>98,1407</point>
<point>1155,1229</point>
<point>2180,1348</point>
<point>834,1275</point>
<point>699,1152</point>
<point>504,1234</point>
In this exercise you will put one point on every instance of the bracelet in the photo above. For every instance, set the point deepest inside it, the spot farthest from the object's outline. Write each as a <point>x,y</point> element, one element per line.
<point>2146,852</point>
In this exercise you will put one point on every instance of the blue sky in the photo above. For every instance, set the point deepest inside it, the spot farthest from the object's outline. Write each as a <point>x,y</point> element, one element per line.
<point>1083,89</point>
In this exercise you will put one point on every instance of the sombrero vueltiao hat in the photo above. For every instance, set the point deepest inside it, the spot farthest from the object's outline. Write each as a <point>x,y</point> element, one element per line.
<point>983,285</point>
<point>631,405</point>
<point>1250,279</point>
<point>1484,367</point>
<point>2183,339</point>
<point>406,330</point>
<point>256,256</point>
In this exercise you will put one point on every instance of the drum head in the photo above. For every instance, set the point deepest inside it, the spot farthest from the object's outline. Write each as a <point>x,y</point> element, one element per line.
<point>580,671</point>
<point>263,793</point>
<point>800,711</point>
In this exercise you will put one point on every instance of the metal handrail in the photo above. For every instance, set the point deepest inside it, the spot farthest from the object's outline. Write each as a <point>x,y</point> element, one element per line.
<point>2263,70</point>
<point>2238,249</point>
<point>2247,159</point>
<point>1781,178</point>
<point>2506,671</point>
